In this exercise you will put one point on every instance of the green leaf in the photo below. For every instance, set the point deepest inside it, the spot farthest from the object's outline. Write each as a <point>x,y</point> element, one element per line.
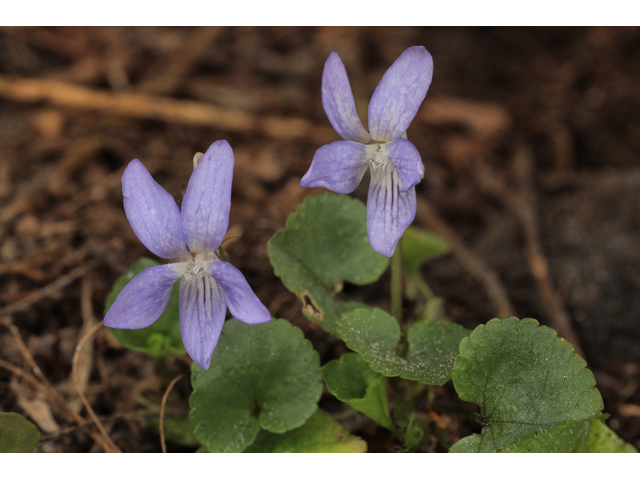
<point>323,245</point>
<point>351,380</point>
<point>572,436</point>
<point>320,434</point>
<point>524,377</point>
<point>432,346</point>
<point>162,338</point>
<point>420,246</point>
<point>17,434</point>
<point>261,376</point>
<point>413,435</point>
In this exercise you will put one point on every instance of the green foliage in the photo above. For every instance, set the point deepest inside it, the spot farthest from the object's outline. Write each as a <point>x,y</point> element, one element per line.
<point>320,434</point>
<point>261,376</point>
<point>420,246</point>
<point>524,378</point>
<point>572,436</point>
<point>162,338</point>
<point>323,245</point>
<point>17,434</point>
<point>351,380</point>
<point>432,346</point>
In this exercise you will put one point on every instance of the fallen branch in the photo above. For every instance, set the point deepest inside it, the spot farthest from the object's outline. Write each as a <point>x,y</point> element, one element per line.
<point>140,105</point>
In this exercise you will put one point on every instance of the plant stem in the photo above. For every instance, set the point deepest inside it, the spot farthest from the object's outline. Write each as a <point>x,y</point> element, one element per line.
<point>396,283</point>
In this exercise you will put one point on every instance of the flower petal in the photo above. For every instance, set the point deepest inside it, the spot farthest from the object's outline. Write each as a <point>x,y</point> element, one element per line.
<point>338,166</point>
<point>152,212</point>
<point>389,211</point>
<point>144,298</point>
<point>202,311</point>
<point>338,102</point>
<point>399,94</point>
<point>206,204</point>
<point>243,303</point>
<point>405,158</point>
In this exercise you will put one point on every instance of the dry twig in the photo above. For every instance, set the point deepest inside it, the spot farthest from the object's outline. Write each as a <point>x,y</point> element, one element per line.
<point>525,209</point>
<point>469,261</point>
<point>48,290</point>
<point>44,384</point>
<point>85,358</point>
<point>162,405</point>
<point>74,368</point>
<point>139,105</point>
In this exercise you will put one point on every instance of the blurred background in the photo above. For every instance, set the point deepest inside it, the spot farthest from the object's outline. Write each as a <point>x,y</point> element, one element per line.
<point>530,139</point>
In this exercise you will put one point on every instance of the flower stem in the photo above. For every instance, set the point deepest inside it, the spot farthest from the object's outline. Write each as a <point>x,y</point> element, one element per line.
<point>396,283</point>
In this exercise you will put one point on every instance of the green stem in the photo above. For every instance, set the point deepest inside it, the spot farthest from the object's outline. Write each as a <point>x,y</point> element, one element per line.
<point>396,283</point>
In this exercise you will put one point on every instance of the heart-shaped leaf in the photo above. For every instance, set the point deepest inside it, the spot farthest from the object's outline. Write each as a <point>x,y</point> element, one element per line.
<point>351,380</point>
<point>524,377</point>
<point>261,376</point>
<point>432,346</point>
<point>323,245</point>
<point>320,434</point>
<point>17,434</point>
<point>572,436</point>
<point>162,338</point>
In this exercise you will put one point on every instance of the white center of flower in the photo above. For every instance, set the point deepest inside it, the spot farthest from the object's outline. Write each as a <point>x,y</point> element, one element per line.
<point>194,265</point>
<point>193,271</point>
<point>377,158</point>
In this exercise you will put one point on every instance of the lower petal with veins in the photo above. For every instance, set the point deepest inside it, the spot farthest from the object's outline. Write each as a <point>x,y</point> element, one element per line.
<point>203,309</point>
<point>389,211</point>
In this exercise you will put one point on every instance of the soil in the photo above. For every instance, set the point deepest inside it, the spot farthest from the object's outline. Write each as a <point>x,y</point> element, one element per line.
<point>531,145</point>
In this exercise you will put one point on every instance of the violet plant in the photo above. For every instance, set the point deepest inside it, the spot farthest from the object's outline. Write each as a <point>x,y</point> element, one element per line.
<point>190,237</point>
<point>394,162</point>
<point>257,381</point>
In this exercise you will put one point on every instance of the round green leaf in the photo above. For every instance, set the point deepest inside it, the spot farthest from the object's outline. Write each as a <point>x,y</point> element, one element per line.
<point>162,338</point>
<point>323,245</point>
<point>351,380</point>
<point>320,434</point>
<point>524,377</point>
<point>261,376</point>
<point>375,335</point>
<point>572,436</point>
<point>17,434</point>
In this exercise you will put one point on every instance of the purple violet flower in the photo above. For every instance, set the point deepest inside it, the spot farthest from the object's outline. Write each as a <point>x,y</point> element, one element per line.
<point>395,164</point>
<point>191,237</point>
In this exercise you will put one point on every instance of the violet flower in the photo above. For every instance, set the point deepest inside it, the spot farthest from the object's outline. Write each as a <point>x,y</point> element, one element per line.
<point>191,237</point>
<point>395,164</point>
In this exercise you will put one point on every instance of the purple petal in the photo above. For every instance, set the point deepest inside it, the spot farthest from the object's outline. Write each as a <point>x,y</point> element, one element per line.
<point>152,212</point>
<point>338,101</point>
<point>243,303</point>
<point>399,94</point>
<point>338,166</point>
<point>389,211</point>
<point>202,311</point>
<point>206,204</point>
<point>405,158</point>
<point>144,298</point>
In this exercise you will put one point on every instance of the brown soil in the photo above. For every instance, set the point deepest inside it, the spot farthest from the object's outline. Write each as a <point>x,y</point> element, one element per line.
<point>531,144</point>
